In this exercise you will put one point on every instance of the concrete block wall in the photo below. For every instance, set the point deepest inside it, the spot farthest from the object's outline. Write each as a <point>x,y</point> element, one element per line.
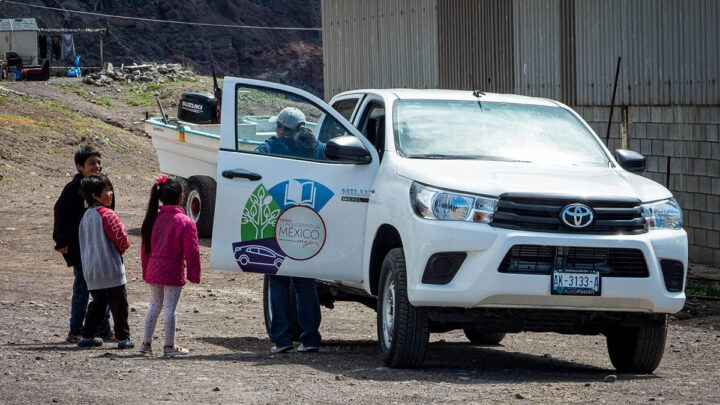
<point>690,136</point>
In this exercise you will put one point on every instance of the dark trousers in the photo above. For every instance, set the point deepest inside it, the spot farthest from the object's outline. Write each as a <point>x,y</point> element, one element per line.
<point>116,299</point>
<point>79,304</point>
<point>308,310</point>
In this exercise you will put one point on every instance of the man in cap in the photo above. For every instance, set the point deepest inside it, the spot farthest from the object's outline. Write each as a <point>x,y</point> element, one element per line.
<point>293,138</point>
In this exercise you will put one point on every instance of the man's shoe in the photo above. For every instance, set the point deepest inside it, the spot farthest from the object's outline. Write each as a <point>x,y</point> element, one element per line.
<point>73,337</point>
<point>94,342</point>
<point>126,344</point>
<point>280,349</point>
<point>307,349</point>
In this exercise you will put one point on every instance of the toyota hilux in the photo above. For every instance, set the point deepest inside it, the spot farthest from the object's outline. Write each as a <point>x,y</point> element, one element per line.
<point>450,209</point>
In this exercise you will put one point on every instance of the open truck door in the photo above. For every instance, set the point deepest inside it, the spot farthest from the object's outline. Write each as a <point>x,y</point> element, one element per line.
<point>279,213</point>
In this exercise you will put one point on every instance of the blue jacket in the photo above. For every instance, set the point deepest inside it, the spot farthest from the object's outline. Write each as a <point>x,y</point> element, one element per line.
<point>287,147</point>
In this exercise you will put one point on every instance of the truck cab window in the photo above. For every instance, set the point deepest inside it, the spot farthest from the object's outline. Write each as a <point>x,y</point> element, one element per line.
<point>373,125</point>
<point>274,122</point>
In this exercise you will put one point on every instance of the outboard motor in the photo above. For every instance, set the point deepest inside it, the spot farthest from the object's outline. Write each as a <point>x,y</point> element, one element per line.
<point>198,108</point>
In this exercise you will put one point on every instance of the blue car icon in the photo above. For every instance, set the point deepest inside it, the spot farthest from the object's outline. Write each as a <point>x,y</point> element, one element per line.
<point>259,255</point>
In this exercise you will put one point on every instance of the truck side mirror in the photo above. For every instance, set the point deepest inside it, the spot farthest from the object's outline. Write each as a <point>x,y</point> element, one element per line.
<point>347,149</point>
<point>629,160</point>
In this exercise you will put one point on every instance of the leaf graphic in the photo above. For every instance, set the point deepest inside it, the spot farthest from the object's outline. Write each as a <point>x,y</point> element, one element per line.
<point>244,220</point>
<point>275,213</point>
<point>253,199</point>
<point>267,200</point>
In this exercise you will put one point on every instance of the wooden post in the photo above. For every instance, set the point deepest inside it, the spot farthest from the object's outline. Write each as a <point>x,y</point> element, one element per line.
<point>102,34</point>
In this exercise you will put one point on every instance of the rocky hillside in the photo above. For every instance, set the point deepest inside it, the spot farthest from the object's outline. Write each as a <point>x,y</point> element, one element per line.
<point>291,57</point>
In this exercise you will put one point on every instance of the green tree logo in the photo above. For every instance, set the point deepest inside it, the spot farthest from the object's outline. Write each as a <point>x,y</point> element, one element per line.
<point>259,216</point>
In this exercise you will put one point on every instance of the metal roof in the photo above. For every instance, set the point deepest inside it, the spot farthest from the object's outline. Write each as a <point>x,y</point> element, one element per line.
<point>18,24</point>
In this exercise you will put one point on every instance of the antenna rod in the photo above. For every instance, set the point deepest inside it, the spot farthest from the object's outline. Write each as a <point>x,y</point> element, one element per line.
<point>612,103</point>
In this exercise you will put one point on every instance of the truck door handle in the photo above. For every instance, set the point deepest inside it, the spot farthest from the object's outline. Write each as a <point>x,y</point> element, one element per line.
<point>231,174</point>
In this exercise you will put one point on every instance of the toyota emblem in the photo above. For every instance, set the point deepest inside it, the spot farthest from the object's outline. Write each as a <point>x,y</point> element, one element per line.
<point>577,215</point>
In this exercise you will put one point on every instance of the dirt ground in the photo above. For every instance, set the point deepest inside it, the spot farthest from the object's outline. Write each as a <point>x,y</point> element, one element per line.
<point>221,321</point>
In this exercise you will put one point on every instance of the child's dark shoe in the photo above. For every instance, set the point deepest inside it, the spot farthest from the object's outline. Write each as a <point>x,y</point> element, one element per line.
<point>107,335</point>
<point>126,344</point>
<point>73,337</point>
<point>94,342</point>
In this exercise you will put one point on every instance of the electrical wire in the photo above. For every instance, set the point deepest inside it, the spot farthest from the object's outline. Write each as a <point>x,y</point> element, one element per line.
<point>254,27</point>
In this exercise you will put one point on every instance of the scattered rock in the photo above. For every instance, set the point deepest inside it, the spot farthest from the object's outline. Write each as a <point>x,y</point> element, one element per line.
<point>547,356</point>
<point>519,396</point>
<point>133,309</point>
<point>610,378</point>
<point>196,310</point>
<point>587,384</point>
<point>216,389</point>
<point>339,378</point>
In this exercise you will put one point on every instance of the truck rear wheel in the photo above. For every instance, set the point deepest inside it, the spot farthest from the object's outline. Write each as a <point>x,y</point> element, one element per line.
<point>637,350</point>
<point>200,203</point>
<point>483,338</point>
<point>403,329</point>
<point>267,313</point>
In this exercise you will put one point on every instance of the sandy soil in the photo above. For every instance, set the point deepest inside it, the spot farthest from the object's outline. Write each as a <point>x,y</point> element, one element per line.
<point>220,320</point>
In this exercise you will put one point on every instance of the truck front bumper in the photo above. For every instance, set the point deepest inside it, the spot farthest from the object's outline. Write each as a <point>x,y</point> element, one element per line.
<point>478,283</point>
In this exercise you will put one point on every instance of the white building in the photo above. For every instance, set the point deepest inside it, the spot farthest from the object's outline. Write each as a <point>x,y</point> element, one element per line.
<point>19,35</point>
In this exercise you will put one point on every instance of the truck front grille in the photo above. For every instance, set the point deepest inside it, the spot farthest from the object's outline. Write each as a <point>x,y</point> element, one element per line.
<point>542,214</point>
<point>610,262</point>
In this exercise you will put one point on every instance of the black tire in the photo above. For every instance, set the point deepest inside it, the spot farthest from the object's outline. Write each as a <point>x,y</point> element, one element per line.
<point>483,338</point>
<point>200,203</point>
<point>637,350</point>
<point>295,326</point>
<point>403,329</point>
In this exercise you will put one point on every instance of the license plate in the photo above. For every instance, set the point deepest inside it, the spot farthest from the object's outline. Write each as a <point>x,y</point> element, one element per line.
<point>575,282</point>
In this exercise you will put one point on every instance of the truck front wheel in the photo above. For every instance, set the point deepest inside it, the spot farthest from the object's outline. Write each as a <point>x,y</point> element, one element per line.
<point>637,350</point>
<point>403,329</point>
<point>200,203</point>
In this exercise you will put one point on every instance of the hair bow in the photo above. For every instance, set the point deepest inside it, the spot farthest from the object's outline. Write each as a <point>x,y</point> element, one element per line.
<point>162,179</point>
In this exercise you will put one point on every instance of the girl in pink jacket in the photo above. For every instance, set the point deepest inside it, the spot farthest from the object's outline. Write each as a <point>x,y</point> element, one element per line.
<point>169,246</point>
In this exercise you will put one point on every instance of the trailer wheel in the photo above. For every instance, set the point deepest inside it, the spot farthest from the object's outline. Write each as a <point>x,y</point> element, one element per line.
<point>200,203</point>
<point>267,314</point>
<point>483,338</point>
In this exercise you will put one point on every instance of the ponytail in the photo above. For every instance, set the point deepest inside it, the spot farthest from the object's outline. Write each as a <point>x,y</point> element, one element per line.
<point>150,216</point>
<point>166,190</point>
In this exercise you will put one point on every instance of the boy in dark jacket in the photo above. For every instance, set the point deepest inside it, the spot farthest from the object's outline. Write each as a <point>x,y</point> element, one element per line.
<point>69,210</point>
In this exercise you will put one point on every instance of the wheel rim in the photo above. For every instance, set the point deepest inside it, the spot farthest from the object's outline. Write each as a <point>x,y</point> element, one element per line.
<point>193,205</point>
<point>388,310</point>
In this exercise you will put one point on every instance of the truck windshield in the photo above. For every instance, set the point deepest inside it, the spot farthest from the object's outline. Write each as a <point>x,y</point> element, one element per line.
<point>442,129</point>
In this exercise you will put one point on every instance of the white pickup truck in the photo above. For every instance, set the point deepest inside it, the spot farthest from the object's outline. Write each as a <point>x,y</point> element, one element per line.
<point>450,210</point>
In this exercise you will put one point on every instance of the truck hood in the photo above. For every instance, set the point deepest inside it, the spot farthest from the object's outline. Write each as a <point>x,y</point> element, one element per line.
<point>495,178</point>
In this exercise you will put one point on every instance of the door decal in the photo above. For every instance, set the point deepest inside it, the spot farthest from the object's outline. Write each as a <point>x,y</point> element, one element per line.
<point>279,223</point>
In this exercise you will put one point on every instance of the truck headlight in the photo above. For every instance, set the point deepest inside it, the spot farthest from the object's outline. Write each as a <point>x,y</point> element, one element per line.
<point>432,203</point>
<point>662,215</point>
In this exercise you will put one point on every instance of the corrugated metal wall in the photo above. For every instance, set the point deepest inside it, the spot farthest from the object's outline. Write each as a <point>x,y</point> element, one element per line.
<point>561,49</point>
<point>475,45</point>
<point>670,51</point>
<point>376,43</point>
<point>537,48</point>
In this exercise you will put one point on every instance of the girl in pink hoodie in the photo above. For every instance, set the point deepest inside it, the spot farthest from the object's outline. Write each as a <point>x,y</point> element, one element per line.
<point>169,246</point>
